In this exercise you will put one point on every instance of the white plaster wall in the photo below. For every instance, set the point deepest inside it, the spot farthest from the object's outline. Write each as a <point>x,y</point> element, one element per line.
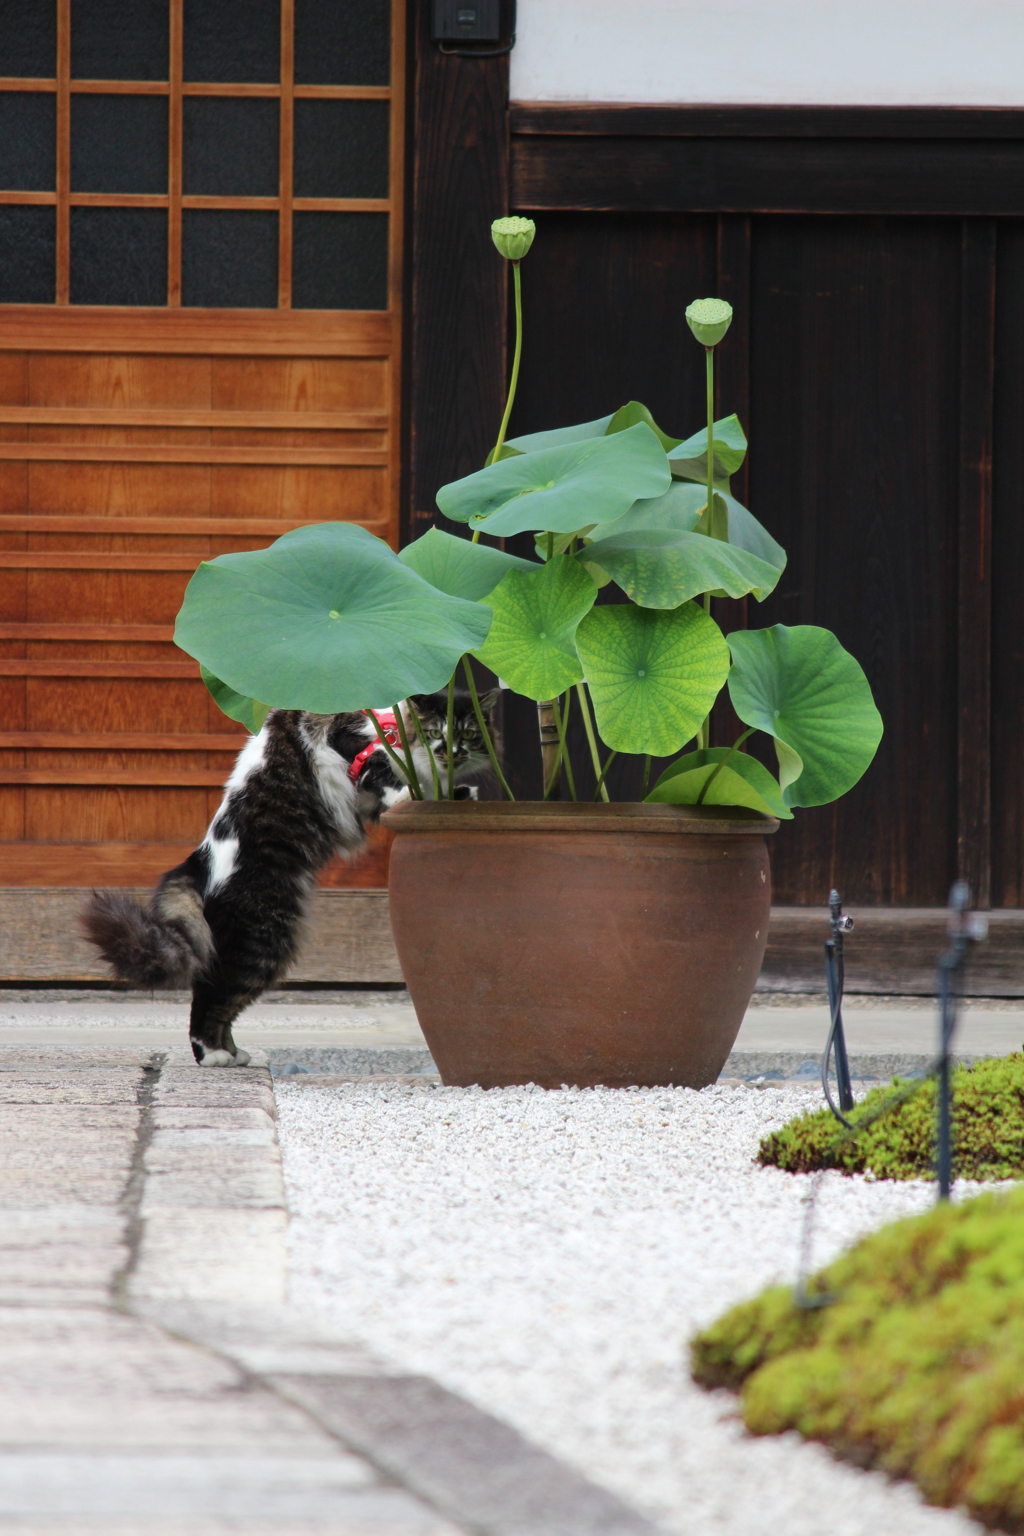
<point>868,52</point>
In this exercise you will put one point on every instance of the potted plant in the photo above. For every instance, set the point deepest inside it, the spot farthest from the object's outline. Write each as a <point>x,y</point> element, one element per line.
<point>561,941</point>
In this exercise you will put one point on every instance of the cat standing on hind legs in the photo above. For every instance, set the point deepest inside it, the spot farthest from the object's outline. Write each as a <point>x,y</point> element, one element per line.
<point>227,922</point>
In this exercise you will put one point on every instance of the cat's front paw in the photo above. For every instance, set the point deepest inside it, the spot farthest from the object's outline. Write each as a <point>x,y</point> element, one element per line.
<point>391,797</point>
<point>207,1057</point>
<point>466,792</point>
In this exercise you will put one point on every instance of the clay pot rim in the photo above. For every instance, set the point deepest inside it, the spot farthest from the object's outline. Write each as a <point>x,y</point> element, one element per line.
<point>571,816</point>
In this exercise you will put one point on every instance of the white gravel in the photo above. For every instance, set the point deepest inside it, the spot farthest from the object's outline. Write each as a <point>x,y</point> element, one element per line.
<point>548,1255</point>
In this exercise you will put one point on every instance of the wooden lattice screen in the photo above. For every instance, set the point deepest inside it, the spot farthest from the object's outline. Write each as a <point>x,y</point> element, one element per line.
<point>200,280</point>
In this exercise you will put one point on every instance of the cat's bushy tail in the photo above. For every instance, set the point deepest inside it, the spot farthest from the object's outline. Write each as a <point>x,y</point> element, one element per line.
<point>164,944</point>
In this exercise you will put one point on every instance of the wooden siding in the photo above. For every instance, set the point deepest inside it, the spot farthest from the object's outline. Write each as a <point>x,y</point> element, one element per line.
<point>136,442</point>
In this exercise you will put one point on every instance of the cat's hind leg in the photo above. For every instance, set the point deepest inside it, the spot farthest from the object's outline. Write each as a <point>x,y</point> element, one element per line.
<point>214,1010</point>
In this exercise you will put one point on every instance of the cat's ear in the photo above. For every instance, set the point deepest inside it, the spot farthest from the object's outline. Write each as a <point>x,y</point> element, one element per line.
<point>421,703</point>
<point>489,700</point>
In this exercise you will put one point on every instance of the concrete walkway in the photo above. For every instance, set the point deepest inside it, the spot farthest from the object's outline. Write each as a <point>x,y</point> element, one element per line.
<point>152,1377</point>
<point>877,1026</point>
<point>303,1022</point>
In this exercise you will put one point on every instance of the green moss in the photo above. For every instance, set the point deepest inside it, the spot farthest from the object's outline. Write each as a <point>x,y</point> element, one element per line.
<point>988,1128</point>
<point>918,1366</point>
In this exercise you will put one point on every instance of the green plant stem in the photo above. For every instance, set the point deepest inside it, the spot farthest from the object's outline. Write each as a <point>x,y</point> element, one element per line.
<point>647,777</point>
<point>499,445</point>
<point>485,733</point>
<point>607,764</point>
<point>719,766</point>
<point>551,546</point>
<point>553,780</point>
<point>451,736</point>
<point>562,722</point>
<point>413,776</point>
<point>432,759</point>
<point>704,734</point>
<point>386,744</point>
<point>588,726</point>
<point>709,353</point>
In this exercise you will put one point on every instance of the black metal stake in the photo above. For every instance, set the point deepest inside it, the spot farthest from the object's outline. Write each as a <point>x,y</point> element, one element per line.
<point>965,928</point>
<point>836,976</point>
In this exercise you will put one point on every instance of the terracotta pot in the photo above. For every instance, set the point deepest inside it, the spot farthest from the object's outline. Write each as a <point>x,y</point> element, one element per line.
<point>567,943</point>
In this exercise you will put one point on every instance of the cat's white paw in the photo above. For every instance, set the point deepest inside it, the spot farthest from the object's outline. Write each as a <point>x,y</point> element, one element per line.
<point>242,1058</point>
<point>216,1058</point>
<point>392,797</point>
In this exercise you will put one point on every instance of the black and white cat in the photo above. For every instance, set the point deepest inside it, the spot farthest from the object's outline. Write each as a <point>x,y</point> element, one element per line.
<point>227,922</point>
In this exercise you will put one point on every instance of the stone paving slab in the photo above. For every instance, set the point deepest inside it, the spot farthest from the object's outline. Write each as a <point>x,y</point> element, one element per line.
<point>108,1421</point>
<point>335,1493</point>
<point>467,1463</point>
<point>61,1272</point>
<point>22,1187</point>
<point>217,1118</point>
<point>191,1176</point>
<point>464,1460</point>
<point>234,1256</point>
<point>99,1086</point>
<point>152,1378</point>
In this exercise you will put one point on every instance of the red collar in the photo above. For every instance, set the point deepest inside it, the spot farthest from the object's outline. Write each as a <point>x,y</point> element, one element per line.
<point>389,725</point>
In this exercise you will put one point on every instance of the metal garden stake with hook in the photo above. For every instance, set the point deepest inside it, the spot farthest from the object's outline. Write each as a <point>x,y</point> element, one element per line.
<point>835,976</point>
<point>964,928</point>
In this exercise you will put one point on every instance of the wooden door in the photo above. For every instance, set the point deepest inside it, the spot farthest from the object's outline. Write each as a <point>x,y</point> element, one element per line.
<point>200,243</point>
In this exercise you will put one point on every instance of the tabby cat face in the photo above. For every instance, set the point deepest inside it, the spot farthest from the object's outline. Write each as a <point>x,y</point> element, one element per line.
<point>468,744</point>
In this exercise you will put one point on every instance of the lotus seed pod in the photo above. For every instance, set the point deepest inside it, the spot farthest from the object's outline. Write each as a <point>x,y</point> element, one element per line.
<point>709,319</point>
<point>513,236</point>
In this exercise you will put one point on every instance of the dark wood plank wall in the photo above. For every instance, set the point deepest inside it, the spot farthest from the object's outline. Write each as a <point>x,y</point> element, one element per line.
<point>456,331</point>
<point>863,252</point>
<point>1007,752</point>
<point>875,258</point>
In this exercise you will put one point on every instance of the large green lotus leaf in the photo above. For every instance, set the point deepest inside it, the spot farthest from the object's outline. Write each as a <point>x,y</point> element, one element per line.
<point>557,437</point>
<point>653,675</point>
<point>629,414</point>
<point>667,511</point>
<point>743,781</point>
<point>531,645</point>
<point>690,458</point>
<point>459,567</point>
<point>675,509</point>
<point>559,541</point>
<point>249,712</point>
<point>663,568</point>
<point>745,532</point>
<point>327,619</point>
<point>507,452</point>
<point>806,691</point>
<point>717,525</point>
<point>560,489</point>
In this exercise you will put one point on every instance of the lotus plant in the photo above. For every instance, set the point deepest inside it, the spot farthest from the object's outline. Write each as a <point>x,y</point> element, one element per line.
<point>329,618</point>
